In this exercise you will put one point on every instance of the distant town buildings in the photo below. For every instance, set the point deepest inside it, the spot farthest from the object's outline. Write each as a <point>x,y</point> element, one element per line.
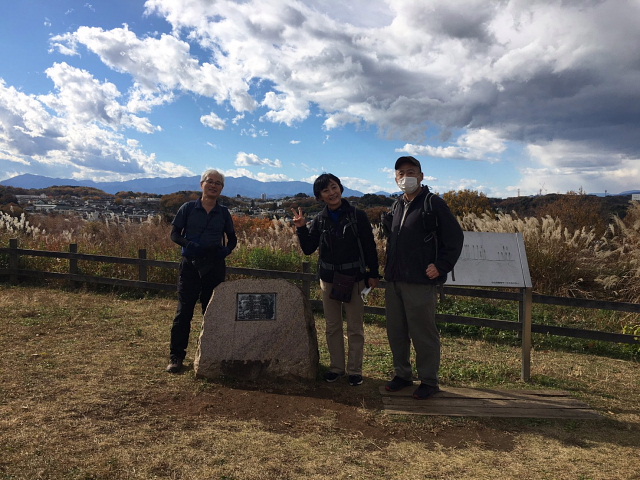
<point>137,209</point>
<point>92,209</point>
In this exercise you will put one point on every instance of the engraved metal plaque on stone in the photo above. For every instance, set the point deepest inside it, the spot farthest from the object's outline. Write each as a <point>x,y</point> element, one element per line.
<point>256,307</point>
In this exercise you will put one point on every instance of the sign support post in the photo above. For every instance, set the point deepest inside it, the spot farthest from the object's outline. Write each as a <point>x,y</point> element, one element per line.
<point>525,321</point>
<point>499,260</point>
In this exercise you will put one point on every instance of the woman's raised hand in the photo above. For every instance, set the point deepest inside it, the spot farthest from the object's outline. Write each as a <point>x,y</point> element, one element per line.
<point>298,217</point>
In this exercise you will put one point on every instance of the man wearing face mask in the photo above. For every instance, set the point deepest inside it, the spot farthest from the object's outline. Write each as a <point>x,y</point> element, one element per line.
<point>424,243</point>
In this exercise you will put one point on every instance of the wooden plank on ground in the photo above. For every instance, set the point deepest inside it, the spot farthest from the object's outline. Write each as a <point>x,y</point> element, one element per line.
<point>483,402</point>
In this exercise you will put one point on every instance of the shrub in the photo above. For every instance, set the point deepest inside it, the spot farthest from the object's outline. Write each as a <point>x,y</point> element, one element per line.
<point>465,202</point>
<point>575,210</point>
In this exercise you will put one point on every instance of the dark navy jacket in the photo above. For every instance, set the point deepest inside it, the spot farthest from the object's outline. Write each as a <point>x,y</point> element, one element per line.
<point>206,229</point>
<point>338,244</point>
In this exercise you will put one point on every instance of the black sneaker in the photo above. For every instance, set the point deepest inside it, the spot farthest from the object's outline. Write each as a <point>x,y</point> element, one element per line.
<point>332,376</point>
<point>355,380</point>
<point>175,365</point>
<point>425,391</point>
<point>397,384</point>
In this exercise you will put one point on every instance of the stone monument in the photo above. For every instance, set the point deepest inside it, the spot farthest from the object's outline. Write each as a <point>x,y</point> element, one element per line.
<point>258,329</point>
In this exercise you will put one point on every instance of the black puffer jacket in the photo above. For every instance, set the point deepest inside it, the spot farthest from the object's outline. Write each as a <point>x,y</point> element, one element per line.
<point>338,244</point>
<point>411,248</point>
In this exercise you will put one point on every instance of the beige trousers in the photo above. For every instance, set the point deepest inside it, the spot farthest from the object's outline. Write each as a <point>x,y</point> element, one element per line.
<point>354,312</point>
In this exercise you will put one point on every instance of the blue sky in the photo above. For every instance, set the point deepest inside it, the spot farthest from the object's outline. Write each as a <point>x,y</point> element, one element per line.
<point>504,97</point>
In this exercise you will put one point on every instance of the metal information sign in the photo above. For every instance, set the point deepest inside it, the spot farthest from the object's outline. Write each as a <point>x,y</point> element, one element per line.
<point>635,197</point>
<point>492,260</point>
<point>498,260</point>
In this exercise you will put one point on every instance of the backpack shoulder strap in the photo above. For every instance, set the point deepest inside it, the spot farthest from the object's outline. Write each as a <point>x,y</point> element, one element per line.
<point>191,204</point>
<point>429,219</point>
<point>394,206</point>
<point>427,207</point>
<point>354,225</point>
<point>188,208</point>
<point>322,223</point>
<point>353,219</point>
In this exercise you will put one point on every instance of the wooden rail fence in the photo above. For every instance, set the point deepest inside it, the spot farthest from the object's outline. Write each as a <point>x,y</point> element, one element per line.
<point>14,272</point>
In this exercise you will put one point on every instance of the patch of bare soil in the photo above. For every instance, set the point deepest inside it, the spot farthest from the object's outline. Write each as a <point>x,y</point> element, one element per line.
<point>296,409</point>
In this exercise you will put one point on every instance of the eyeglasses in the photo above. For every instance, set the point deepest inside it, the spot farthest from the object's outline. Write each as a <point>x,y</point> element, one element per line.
<point>216,183</point>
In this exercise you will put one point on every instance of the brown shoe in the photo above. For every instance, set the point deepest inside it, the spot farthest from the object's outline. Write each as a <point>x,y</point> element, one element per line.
<point>175,365</point>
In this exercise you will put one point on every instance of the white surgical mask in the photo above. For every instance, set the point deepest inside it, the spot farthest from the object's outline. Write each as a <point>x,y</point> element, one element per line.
<point>408,184</point>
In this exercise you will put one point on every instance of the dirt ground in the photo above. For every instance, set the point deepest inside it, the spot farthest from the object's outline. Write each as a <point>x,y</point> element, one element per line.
<point>84,395</point>
<point>355,411</point>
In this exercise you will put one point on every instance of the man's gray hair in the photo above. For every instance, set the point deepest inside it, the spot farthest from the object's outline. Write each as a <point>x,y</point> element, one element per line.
<point>208,173</point>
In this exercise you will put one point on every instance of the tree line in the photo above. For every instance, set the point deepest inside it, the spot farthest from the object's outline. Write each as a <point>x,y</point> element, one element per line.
<point>574,209</point>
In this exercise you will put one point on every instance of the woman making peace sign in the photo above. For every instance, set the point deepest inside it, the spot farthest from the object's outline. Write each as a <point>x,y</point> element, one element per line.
<point>348,262</point>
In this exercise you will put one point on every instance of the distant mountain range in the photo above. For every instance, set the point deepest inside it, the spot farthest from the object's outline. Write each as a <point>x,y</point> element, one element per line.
<point>629,192</point>
<point>234,186</point>
<point>243,186</point>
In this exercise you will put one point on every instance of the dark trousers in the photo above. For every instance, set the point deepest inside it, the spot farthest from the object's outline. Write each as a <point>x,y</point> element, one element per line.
<point>411,319</point>
<point>191,288</point>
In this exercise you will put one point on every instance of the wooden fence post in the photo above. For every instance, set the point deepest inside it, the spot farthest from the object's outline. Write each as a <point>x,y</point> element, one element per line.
<point>306,284</point>
<point>73,264</point>
<point>525,321</point>
<point>142,268</point>
<point>14,261</point>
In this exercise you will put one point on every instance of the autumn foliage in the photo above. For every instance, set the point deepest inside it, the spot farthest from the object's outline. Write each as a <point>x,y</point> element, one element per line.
<point>466,202</point>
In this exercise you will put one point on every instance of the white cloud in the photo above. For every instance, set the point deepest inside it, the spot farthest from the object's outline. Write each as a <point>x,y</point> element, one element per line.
<point>551,75</point>
<point>272,177</point>
<point>213,121</point>
<point>261,176</point>
<point>75,131</point>
<point>522,70</point>
<point>337,120</point>
<point>81,99</point>
<point>310,168</point>
<point>360,13</point>
<point>237,172</point>
<point>310,179</point>
<point>286,109</point>
<point>360,184</point>
<point>560,167</point>
<point>474,145</point>
<point>251,159</point>
<point>254,132</point>
<point>464,184</point>
<point>354,183</point>
<point>158,65</point>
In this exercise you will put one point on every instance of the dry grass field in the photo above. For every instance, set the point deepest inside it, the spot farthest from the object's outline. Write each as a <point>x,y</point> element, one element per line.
<point>84,395</point>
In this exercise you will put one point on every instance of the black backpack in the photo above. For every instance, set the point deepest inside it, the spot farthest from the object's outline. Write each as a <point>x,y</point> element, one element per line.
<point>353,223</point>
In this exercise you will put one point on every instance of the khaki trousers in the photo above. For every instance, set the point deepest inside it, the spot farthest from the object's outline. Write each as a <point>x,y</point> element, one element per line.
<point>354,312</point>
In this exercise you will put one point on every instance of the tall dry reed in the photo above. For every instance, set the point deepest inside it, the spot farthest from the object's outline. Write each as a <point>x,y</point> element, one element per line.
<point>619,250</point>
<point>562,261</point>
<point>575,262</point>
